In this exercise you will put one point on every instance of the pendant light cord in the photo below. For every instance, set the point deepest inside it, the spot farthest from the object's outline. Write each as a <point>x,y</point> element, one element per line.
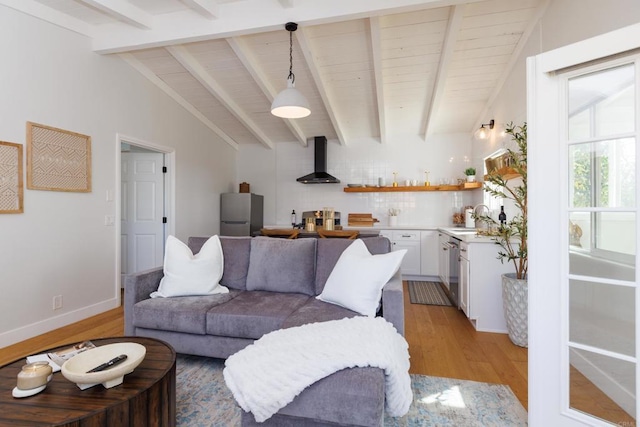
<point>291,75</point>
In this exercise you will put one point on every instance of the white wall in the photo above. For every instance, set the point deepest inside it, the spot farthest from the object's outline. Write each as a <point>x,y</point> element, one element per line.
<point>59,245</point>
<point>273,174</point>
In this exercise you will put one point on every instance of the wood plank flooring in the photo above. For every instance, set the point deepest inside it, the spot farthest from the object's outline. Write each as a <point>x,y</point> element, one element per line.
<point>442,342</point>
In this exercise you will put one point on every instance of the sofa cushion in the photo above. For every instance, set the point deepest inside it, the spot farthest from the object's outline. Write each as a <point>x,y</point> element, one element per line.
<point>315,310</point>
<point>329,251</point>
<point>186,274</point>
<point>178,314</point>
<point>253,314</point>
<point>357,280</point>
<point>236,252</point>
<point>282,265</point>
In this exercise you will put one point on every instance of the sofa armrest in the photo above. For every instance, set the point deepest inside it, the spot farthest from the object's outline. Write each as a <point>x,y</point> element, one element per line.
<point>393,302</point>
<point>137,287</point>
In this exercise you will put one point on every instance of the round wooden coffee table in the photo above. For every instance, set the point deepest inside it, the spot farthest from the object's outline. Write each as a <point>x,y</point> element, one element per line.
<point>147,397</point>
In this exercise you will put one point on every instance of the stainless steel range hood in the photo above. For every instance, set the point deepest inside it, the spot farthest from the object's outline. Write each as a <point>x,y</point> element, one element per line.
<point>319,174</point>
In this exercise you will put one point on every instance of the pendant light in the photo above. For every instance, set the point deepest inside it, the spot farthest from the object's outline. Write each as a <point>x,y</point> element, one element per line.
<point>290,103</point>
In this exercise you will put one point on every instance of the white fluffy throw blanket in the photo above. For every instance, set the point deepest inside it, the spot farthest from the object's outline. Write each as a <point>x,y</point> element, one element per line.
<point>268,374</point>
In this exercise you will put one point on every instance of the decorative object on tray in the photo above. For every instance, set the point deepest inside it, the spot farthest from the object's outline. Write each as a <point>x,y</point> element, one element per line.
<point>32,379</point>
<point>11,186</point>
<point>58,160</point>
<point>77,369</point>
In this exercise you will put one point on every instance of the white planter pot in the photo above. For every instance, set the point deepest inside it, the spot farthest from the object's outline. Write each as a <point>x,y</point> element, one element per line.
<point>471,178</point>
<point>515,293</point>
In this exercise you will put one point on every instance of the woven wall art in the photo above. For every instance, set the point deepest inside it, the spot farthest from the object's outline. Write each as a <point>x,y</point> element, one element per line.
<point>58,160</point>
<point>11,185</point>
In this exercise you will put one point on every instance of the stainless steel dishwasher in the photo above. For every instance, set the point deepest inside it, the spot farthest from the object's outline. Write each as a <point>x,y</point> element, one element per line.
<point>454,270</point>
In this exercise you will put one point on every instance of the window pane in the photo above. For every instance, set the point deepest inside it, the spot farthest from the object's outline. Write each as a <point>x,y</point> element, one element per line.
<point>603,244</point>
<point>608,98</point>
<point>616,232</point>
<point>602,316</point>
<point>602,386</point>
<point>602,174</point>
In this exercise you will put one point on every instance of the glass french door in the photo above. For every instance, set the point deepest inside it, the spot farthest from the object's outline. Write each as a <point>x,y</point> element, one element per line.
<point>584,116</point>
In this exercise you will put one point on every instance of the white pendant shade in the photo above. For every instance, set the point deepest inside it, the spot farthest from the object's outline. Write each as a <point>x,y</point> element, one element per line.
<point>290,103</point>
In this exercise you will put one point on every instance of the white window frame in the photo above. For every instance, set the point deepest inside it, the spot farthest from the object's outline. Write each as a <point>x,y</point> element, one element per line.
<point>548,228</point>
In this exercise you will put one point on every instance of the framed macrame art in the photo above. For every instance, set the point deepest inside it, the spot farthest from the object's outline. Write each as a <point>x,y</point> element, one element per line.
<point>58,160</point>
<point>11,185</point>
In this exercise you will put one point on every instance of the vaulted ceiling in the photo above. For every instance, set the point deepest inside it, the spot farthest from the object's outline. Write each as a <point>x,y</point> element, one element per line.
<point>370,68</point>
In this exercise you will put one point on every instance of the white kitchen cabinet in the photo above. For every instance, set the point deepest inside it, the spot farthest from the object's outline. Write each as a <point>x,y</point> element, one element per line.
<point>481,286</point>
<point>409,240</point>
<point>443,258</point>
<point>463,282</point>
<point>429,253</point>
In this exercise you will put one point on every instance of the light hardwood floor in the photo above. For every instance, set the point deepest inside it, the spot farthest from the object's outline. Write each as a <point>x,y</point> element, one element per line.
<point>441,340</point>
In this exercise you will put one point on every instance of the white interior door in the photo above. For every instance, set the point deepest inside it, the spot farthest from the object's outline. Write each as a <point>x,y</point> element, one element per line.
<point>142,212</point>
<point>584,130</point>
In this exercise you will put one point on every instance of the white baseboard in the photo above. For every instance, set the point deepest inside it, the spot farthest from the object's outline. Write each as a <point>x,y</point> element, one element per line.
<point>609,386</point>
<point>47,325</point>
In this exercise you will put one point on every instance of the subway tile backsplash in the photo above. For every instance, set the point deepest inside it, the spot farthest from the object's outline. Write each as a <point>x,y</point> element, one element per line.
<point>273,174</point>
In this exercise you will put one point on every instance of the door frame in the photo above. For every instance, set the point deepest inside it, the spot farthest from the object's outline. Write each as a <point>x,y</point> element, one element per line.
<point>548,404</point>
<point>169,191</point>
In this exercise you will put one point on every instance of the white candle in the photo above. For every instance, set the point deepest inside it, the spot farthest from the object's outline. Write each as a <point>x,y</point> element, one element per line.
<point>34,375</point>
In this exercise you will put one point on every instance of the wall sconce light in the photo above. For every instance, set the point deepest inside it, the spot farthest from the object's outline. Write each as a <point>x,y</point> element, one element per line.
<point>290,103</point>
<point>484,132</point>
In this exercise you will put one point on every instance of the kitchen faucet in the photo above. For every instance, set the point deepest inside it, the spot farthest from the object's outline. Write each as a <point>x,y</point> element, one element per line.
<point>480,223</point>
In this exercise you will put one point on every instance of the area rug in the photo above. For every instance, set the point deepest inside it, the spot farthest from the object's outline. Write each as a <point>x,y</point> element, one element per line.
<point>428,293</point>
<point>203,399</point>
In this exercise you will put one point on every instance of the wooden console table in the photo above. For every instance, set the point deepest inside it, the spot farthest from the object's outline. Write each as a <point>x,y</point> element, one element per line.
<point>147,397</point>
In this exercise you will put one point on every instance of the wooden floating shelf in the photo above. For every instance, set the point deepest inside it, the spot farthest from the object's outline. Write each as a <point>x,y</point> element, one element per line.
<point>506,173</point>
<point>461,187</point>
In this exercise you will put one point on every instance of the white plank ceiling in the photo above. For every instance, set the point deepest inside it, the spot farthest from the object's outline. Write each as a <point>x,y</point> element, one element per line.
<point>376,69</point>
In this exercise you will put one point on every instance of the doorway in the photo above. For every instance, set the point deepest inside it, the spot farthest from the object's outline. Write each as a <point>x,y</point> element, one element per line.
<point>145,204</point>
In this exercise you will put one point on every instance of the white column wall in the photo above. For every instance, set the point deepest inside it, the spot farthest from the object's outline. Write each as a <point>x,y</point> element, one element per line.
<point>60,245</point>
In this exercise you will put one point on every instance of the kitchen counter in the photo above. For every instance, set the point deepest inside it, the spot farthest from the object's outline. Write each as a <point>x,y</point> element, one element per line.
<point>468,235</point>
<point>364,232</point>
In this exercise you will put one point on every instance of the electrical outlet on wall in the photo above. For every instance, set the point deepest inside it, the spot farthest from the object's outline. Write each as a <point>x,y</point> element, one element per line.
<point>57,302</point>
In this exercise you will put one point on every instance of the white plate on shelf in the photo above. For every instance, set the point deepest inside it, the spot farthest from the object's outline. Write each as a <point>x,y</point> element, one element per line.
<point>75,369</point>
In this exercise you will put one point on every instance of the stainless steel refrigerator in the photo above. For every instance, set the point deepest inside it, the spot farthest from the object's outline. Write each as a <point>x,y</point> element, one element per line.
<point>240,214</point>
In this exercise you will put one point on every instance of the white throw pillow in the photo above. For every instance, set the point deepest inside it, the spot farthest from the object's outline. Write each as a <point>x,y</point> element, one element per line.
<point>187,274</point>
<point>358,277</point>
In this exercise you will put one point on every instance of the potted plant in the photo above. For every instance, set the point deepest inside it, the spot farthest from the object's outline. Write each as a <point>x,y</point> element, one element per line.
<point>471,174</point>
<point>512,234</point>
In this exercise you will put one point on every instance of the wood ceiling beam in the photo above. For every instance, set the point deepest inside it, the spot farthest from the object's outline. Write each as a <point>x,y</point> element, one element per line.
<point>123,10</point>
<point>247,58</point>
<point>307,52</point>
<point>207,8</point>
<point>448,47</point>
<point>374,26</point>
<point>151,76</point>
<point>50,15</point>
<point>246,17</point>
<point>196,69</point>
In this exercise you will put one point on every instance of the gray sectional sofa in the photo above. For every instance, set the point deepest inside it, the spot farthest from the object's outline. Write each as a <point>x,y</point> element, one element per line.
<point>272,285</point>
